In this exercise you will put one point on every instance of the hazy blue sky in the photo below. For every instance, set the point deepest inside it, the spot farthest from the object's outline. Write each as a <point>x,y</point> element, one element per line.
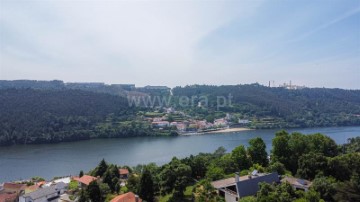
<point>312,43</point>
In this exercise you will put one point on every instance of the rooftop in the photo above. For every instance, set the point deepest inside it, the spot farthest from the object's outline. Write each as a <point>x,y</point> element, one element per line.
<point>123,171</point>
<point>14,186</point>
<point>85,179</point>
<point>128,197</point>
<point>45,191</point>
<point>301,183</point>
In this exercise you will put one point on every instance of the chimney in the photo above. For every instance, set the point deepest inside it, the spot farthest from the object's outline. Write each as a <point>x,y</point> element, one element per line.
<point>237,177</point>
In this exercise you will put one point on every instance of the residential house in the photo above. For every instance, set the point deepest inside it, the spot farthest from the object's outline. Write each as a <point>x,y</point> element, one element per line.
<point>160,124</point>
<point>51,193</point>
<point>10,187</point>
<point>181,127</point>
<point>128,197</point>
<point>201,125</point>
<point>237,187</point>
<point>244,121</point>
<point>65,180</point>
<point>9,192</point>
<point>8,197</point>
<point>298,184</point>
<point>85,180</point>
<point>124,173</point>
<point>173,123</point>
<point>220,122</point>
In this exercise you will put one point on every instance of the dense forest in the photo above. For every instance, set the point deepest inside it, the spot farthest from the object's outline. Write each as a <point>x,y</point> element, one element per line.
<point>333,170</point>
<point>280,107</point>
<point>50,112</point>
<point>48,116</point>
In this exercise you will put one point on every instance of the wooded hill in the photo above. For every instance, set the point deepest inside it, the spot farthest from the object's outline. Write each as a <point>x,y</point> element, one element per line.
<point>309,107</point>
<point>49,115</point>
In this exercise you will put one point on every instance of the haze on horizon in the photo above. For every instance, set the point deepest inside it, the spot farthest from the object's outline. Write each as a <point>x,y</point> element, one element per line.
<point>313,43</point>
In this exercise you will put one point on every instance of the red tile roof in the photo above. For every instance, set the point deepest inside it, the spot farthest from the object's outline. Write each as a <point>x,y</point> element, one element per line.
<point>6,197</point>
<point>85,179</point>
<point>14,186</point>
<point>128,197</point>
<point>123,171</point>
<point>41,183</point>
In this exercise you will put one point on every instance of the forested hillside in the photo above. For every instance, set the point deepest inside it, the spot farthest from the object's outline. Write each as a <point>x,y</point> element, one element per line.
<point>309,107</point>
<point>38,116</point>
<point>49,115</point>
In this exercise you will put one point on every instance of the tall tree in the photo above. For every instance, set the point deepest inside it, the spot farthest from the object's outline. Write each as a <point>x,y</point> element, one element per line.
<point>94,192</point>
<point>146,190</point>
<point>240,156</point>
<point>280,148</point>
<point>102,167</point>
<point>257,151</point>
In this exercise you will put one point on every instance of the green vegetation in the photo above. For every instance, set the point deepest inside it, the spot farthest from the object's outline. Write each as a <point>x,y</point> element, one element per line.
<point>30,116</point>
<point>50,112</point>
<point>278,107</point>
<point>73,185</point>
<point>333,170</point>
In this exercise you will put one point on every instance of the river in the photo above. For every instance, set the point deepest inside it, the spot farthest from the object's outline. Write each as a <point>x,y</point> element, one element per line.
<point>50,160</point>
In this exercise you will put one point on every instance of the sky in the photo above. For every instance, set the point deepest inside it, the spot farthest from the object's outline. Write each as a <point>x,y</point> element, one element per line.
<point>315,43</point>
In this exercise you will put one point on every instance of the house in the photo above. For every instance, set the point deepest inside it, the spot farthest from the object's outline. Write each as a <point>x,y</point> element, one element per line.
<point>124,173</point>
<point>220,122</point>
<point>181,127</point>
<point>65,180</point>
<point>10,192</point>
<point>128,197</point>
<point>160,124</point>
<point>85,180</point>
<point>8,197</point>
<point>174,123</point>
<point>9,187</point>
<point>296,183</point>
<point>237,187</point>
<point>44,194</point>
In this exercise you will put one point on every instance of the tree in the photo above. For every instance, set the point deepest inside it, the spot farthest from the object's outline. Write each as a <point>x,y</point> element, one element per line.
<point>311,165</point>
<point>280,148</point>
<point>241,158</point>
<point>101,169</point>
<point>205,192</point>
<point>312,196</point>
<point>146,190</point>
<point>94,192</point>
<point>353,145</point>
<point>348,190</point>
<point>199,165</point>
<point>326,186</point>
<point>81,173</point>
<point>320,143</point>
<point>174,177</point>
<point>133,183</point>
<point>104,189</point>
<point>111,177</point>
<point>257,151</point>
<point>215,173</point>
<point>277,167</point>
<point>83,196</point>
<point>219,152</point>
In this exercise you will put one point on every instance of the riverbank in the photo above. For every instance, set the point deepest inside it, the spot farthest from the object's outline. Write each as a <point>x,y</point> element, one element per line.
<point>225,130</point>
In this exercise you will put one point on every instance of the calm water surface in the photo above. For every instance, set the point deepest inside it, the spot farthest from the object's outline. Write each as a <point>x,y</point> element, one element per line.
<point>23,162</point>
